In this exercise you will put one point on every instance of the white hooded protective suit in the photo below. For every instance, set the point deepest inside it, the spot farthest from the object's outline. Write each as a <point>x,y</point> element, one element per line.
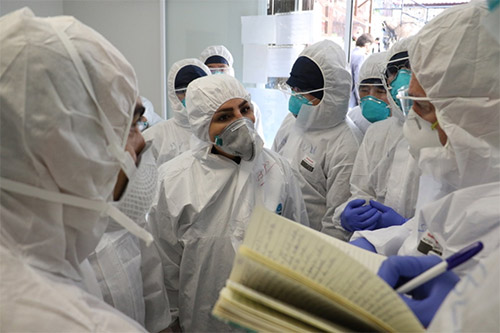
<point>455,60</point>
<point>372,68</point>
<point>319,143</point>
<point>66,102</point>
<point>383,170</point>
<point>171,137</point>
<point>204,206</point>
<point>130,274</point>
<point>222,51</point>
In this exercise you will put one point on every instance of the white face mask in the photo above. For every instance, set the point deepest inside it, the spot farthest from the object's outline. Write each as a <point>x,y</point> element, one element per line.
<point>419,134</point>
<point>239,139</point>
<point>141,189</point>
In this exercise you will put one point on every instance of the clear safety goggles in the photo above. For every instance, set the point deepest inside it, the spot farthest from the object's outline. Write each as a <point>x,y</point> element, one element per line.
<point>219,70</point>
<point>180,91</point>
<point>289,91</point>
<point>425,102</point>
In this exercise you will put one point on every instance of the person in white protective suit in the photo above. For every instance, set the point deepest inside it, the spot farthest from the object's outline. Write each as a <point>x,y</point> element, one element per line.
<point>453,131</point>
<point>369,74</point>
<point>207,195</point>
<point>220,61</point>
<point>384,170</point>
<point>66,102</point>
<point>172,137</point>
<point>319,143</point>
<point>129,274</point>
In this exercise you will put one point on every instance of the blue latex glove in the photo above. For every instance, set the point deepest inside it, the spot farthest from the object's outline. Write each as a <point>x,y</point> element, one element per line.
<point>358,217</point>
<point>364,244</point>
<point>427,298</point>
<point>388,216</point>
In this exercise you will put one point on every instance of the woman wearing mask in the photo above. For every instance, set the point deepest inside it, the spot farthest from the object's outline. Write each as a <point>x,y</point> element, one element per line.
<point>207,196</point>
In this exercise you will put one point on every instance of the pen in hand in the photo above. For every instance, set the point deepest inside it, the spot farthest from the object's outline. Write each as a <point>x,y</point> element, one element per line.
<point>449,263</point>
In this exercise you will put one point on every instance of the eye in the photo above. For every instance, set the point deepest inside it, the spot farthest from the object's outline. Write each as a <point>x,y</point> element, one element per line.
<point>246,109</point>
<point>223,117</point>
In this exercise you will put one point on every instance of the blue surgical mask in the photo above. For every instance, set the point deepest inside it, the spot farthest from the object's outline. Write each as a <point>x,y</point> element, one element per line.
<point>374,109</point>
<point>401,81</point>
<point>184,102</point>
<point>295,103</point>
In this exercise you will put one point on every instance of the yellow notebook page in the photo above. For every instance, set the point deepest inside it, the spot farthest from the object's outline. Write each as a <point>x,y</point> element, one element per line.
<point>311,257</point>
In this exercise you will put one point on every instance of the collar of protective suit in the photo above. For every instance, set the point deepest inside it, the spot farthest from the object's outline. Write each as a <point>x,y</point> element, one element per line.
<point>179,111</point>
<point>47,116</point>
<point>454,58</point>
<point>331,111</point>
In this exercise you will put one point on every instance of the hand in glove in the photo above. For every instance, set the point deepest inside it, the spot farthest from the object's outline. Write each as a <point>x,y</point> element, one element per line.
<point>427,298</point>
<point>358,217</point>
<point>388,216</point>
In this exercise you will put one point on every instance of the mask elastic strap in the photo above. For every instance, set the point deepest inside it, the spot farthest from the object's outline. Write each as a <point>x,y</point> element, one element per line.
<point>114,147</point>
<point>102,207</point>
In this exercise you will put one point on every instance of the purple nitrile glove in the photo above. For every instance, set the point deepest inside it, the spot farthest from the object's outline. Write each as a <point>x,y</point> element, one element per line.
<point>364,244</point>
<point>388,216</point>
<point>358,217</point>
<point>427,298</point>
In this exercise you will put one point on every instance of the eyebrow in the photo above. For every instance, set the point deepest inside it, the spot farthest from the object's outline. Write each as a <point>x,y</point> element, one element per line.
<point>231,109</point>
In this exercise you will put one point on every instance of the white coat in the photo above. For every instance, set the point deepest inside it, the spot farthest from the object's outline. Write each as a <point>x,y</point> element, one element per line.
<point>383,171</point>
<point>171,137</point>
<point>464,207</point>
<point>56,76</point>
<point>129,273</point>
<point>319,143</point>
<point>205,203</point>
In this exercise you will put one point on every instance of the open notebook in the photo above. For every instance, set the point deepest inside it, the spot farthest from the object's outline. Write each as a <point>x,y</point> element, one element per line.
<point>287,277</point>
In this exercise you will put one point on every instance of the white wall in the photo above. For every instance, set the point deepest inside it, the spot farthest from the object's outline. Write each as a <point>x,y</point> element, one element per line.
<point>39,7</point>
<point>193,25</point>
<point>135,28</point>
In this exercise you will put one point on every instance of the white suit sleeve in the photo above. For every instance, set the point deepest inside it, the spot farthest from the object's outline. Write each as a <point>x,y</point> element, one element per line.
<point>338,170</point>
<point>360,188</point>
<point>295,207</point>
<point>169,250</point>
<point>155,295</point>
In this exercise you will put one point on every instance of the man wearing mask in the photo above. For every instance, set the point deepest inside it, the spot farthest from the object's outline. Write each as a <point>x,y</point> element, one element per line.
<point>454,134</point>
<point>319,143</point>
<point>65,121</point>
<point>129,273</point>
<point>207,196</point>
<point>374,104</point>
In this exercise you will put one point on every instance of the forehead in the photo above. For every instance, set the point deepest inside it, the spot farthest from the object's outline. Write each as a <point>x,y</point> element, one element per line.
<point>232,104</point>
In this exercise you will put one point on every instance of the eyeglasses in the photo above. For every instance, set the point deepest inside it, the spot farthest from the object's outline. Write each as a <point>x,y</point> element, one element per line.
<point>286,89</point>
<point>425,102</point>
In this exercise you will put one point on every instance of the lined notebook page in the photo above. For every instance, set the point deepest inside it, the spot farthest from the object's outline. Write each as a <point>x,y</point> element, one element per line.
<point>313,255</point>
